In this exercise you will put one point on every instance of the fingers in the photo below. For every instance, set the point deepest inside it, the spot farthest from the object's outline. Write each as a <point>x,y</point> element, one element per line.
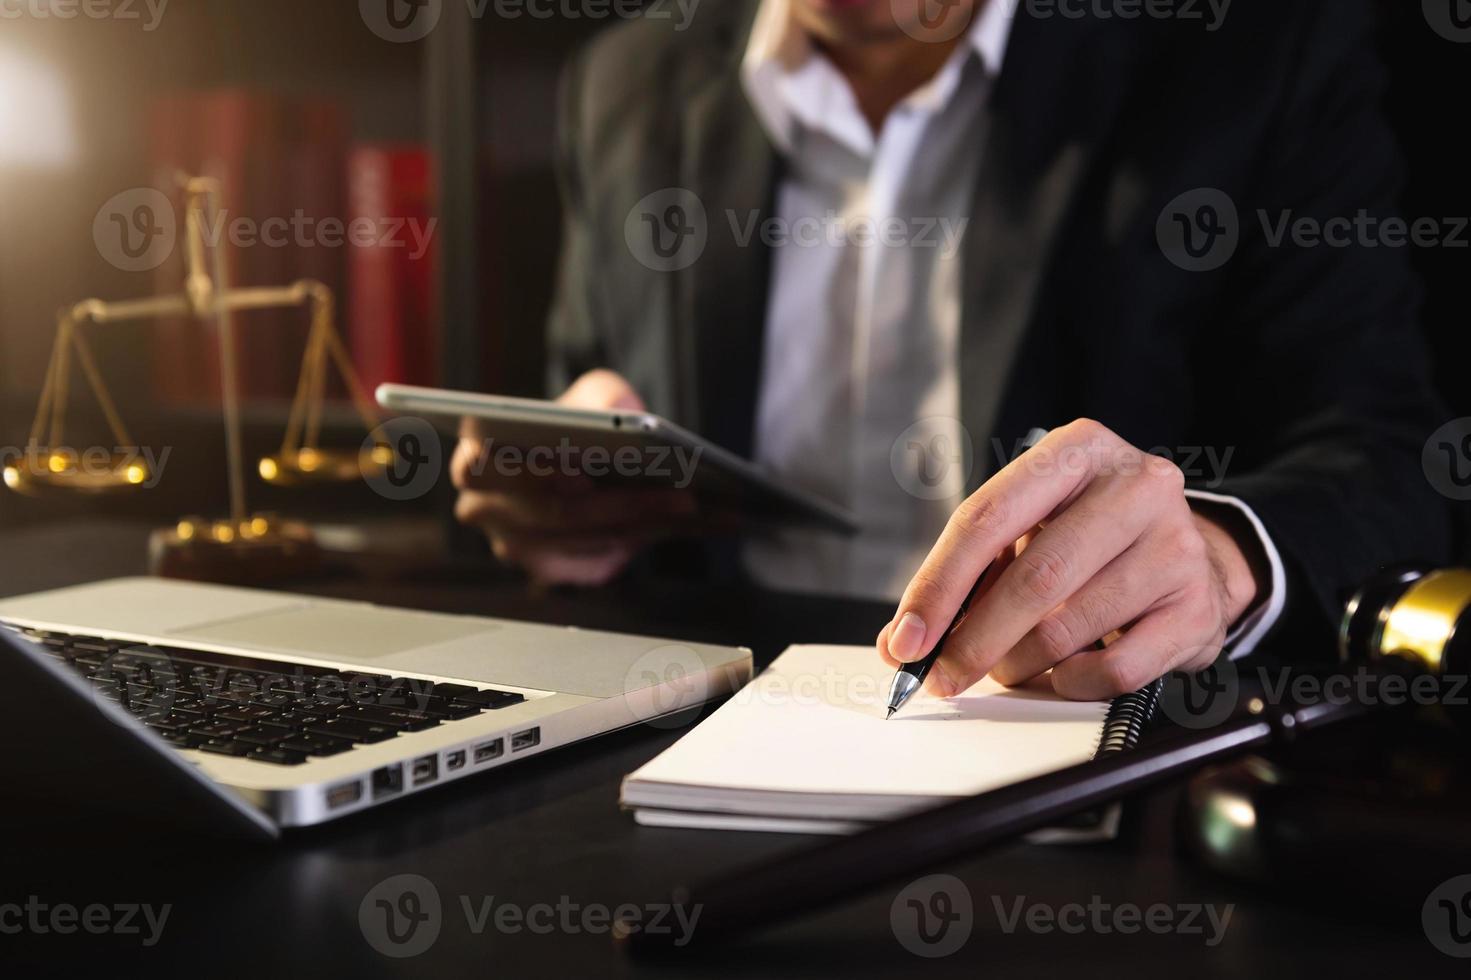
<point>601,388</point>
<point>1062,559</point>
<point>1177,637</point>
<point>594,566</point>
<point>1124,590</point>
<point>604,511</point>
<point>1011,503</point>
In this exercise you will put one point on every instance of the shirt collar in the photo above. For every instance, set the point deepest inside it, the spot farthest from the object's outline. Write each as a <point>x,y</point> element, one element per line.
<point>788,84</point>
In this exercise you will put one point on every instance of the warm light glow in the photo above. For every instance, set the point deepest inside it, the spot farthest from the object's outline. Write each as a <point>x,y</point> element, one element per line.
<point>259,526</point>
<point>12,477</point>
<point>268,469</point>
<point>58,463</point>
<point>37,127</point>
<point>135,474</point>
<point>224,533</point>
<point>185,530</point>
<point>308,460</point>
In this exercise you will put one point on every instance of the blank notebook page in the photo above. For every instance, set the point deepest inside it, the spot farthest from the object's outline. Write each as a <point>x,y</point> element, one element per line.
<point>814,723</point>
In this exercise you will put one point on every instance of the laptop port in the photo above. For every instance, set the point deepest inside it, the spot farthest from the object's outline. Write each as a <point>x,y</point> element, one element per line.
<point>425,770</point>
<point>388,780</point>
<point>341,796</point>
<point>526,739</point>
<point>455,760</point>
<point>486,751</point>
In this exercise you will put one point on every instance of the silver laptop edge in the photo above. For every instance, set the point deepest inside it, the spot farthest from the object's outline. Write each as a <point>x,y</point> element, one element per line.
<point>576,683</point>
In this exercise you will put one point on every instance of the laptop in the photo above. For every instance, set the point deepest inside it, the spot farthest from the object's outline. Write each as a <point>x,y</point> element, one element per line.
<point>244,712</point>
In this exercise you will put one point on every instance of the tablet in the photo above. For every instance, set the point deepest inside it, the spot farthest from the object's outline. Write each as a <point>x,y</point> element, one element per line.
<point>609,445</point>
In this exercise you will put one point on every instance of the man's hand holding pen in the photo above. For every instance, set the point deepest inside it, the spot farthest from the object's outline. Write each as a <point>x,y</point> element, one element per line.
<point>1083,535</point>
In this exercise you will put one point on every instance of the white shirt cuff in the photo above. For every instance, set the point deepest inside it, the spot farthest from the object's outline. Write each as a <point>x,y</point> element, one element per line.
<point>1246,634</point>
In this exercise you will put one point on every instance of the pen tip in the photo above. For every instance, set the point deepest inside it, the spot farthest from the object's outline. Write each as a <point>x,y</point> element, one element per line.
<point>890,714</point>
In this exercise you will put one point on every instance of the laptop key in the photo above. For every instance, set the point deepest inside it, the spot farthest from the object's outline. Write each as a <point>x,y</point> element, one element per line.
<point>227,746</point>
<point>216,729</point>
<point>278,756</point>
<point>491,699</point>
<point>353,729</point>
<point>319,745</point>
<point>263,735</point>
<point>409,721</point>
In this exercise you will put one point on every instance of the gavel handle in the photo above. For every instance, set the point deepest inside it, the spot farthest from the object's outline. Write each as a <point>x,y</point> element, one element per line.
<point>788,887</point>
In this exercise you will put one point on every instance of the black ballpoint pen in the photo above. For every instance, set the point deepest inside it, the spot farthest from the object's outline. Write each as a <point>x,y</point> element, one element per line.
<point>912,675</point>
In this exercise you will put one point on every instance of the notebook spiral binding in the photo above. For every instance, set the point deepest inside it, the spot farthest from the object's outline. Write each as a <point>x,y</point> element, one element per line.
<point>1127,717</point>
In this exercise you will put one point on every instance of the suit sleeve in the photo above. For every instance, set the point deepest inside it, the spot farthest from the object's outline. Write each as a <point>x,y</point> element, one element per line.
<point>1333,364</point>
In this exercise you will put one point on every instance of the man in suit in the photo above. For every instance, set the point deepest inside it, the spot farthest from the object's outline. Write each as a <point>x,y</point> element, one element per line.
<point>872,243</point>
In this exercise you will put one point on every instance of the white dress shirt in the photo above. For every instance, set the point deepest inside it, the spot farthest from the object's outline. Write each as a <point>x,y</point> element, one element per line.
<point>863,316</point>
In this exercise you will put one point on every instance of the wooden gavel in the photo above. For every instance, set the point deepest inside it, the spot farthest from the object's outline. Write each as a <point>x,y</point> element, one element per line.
<point>1412,620</point>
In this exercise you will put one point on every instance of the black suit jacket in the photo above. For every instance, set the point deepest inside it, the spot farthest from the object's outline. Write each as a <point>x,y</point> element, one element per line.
<point>1304,362</point>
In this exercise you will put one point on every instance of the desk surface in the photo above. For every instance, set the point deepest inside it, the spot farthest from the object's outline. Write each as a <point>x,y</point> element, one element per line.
<point>551,833</point>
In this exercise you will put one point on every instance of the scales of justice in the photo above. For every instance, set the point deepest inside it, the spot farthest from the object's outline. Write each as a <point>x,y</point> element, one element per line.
<point>244,544</point>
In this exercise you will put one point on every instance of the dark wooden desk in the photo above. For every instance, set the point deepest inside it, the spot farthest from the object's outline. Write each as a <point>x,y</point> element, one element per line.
<point>551,832</point>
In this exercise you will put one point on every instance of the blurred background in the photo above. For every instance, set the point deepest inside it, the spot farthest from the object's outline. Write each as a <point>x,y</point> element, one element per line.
<point>321,114</point>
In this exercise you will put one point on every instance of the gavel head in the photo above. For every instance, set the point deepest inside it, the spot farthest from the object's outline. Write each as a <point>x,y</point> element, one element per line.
<point>1416,615</point>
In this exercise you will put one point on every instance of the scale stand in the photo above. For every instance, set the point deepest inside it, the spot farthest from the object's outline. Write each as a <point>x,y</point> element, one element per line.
<point>242,546</point>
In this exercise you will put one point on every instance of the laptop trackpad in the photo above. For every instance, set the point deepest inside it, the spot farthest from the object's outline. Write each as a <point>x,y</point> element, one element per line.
<point>331,632</point>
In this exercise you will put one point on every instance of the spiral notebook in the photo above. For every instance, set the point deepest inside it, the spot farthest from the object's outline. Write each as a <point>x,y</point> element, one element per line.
<point>805,748</point>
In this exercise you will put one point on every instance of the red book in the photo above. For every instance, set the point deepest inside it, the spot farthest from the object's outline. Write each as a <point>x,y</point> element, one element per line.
<point>391,256</point>
<point>279,164</point>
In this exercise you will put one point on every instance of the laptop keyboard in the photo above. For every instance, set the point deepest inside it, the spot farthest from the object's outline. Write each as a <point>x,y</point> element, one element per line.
<point>263,710</point>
